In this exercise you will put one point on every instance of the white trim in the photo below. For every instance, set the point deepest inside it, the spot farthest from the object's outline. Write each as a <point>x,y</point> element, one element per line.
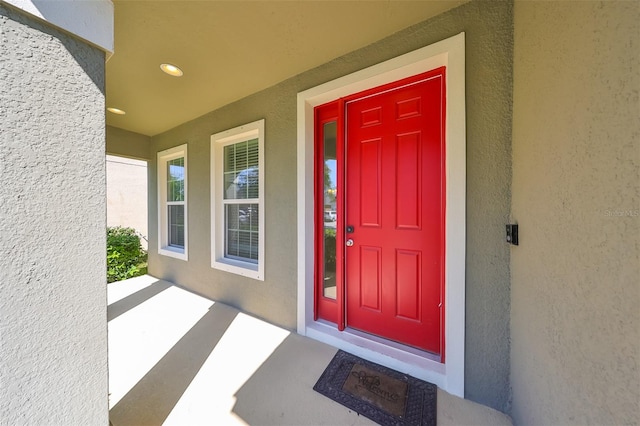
<point>163,245</point>
<point>450,53</point>
<point>89,20</point>
<point>218,142</point>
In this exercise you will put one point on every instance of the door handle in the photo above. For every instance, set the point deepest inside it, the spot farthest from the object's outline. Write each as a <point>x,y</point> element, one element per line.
<point>349,242</point>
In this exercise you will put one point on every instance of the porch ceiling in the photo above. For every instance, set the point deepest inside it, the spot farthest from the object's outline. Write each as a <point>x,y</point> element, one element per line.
<point>231,49</point>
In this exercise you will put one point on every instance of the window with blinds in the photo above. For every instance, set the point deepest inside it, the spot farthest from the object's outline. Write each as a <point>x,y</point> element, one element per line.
<point>237,200</point>
<point>241,210</point>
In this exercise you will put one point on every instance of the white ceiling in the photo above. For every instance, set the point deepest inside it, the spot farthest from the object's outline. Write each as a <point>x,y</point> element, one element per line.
<point>231,49</point>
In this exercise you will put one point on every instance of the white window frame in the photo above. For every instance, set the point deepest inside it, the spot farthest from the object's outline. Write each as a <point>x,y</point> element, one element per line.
<point>163,232</point>
<point>450,374</point>
<point>218,142</point>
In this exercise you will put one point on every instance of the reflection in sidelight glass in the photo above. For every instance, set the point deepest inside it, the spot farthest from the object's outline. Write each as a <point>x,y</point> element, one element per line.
<point>330,215</point>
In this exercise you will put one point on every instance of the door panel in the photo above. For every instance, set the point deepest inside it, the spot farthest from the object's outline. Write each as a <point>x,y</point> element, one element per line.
<point>409,278</point>
<point>394,201</point>
<point>408,200</point>
<point>370,182</point>
<point>370,271</point>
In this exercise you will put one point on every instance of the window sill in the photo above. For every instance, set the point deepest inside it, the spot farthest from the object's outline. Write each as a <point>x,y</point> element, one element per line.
<point>173,252</point>
<point>246,269</point>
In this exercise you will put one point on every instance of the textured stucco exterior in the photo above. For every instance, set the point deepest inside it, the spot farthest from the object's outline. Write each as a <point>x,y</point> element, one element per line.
<point>489,36</point>
<point>53,335</point>
<point>91,21</point>
<point>575,308</point>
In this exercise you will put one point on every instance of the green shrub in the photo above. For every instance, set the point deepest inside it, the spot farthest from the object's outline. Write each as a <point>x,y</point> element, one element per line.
<point>125,256</point>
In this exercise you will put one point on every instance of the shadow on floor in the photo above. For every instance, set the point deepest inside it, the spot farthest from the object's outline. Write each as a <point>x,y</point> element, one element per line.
<point>205,363</point>
<point>152,398</point>
<point>127,303</point>
<point>281,391</point>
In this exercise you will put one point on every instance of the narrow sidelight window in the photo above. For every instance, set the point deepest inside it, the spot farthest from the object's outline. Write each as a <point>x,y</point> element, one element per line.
<point>172,202</point>
<point>329,200</point>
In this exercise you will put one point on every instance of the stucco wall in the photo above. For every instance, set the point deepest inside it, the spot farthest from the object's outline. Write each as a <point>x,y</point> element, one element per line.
<point>53,335</point>
<point>128,144</point>
<point>575,309</point>
<point>489,35</point>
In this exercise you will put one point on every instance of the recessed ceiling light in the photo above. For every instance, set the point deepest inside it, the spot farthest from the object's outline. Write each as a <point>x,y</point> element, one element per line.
<point>171,70</point>
<point>116,111</point>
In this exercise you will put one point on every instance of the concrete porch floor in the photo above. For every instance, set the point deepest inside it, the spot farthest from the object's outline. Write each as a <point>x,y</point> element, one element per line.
<point>177,358</point>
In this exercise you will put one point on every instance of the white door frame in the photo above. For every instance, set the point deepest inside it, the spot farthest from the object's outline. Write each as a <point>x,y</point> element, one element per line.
<point>450,374</point>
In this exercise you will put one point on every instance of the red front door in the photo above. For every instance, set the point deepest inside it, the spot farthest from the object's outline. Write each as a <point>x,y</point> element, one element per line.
<point>394,212</point>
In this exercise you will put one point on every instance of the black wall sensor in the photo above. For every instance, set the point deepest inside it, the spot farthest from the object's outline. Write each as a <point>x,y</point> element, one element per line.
<point>512,234</point>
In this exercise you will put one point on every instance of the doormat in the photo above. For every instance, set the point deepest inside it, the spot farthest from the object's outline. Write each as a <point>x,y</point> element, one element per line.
<point>379,393</point>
